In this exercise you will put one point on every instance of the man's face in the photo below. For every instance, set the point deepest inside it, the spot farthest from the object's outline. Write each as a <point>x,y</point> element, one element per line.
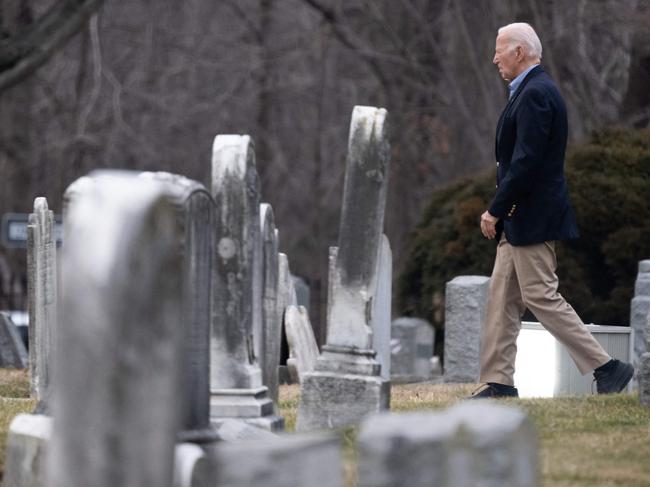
<point>507,58</point>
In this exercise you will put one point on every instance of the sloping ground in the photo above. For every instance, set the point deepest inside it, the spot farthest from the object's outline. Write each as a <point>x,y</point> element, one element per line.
<point>593,441</point>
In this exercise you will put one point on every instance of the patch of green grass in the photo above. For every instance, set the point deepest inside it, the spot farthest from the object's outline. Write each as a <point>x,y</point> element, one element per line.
<point>586,441</point>
<point>14,383</point>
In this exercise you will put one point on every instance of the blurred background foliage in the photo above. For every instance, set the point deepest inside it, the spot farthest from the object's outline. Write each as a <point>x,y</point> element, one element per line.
<point>609,183</point>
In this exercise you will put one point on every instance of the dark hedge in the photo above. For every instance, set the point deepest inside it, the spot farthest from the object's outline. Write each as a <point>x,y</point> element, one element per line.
<point>609,183</point>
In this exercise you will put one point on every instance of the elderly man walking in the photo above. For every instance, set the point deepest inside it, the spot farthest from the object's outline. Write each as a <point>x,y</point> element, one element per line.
<point>529,212</point>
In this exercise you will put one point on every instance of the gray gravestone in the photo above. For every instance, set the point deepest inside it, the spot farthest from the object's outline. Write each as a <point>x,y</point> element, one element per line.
<point>236,388</point>
<point>119,346</point>
<point>195,207</point>
<point>42,299</point>
<point>286,289</point>
<point>473,444</point>
<point>25,456</point>
<point>347,382</point>
<point>12,349</point>
<point>381,308</point>
<point>303,294</point>
<point>312,460</point>
<point>643,370</point>
<point>465,301</point>
<point>640,309</point>
<point>303,350</point>
<point>412,349</point>
<point>271,320</point>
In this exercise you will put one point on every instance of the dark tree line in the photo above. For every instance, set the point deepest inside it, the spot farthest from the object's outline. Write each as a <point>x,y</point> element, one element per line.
<point>146,84</point>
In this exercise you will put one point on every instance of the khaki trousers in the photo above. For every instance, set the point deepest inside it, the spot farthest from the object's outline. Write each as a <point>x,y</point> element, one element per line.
<point>524,277</point>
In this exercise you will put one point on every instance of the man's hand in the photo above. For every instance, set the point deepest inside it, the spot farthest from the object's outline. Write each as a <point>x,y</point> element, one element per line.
<point>488,225</point>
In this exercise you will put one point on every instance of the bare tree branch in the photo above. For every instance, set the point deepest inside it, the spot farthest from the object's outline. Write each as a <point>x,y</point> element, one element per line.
<point>22,54</point>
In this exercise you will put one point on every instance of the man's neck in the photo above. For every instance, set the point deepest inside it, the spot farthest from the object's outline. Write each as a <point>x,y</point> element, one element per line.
<point>524,66</point>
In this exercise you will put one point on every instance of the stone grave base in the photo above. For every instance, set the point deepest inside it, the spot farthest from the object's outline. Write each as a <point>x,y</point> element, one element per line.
<point>253,406</point>
<point>331,400</point>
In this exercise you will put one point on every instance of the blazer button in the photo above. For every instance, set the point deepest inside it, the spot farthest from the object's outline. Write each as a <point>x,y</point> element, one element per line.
<point>497,163</point>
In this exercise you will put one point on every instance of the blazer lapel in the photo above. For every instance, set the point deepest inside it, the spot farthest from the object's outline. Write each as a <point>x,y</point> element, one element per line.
<point>533,72</point>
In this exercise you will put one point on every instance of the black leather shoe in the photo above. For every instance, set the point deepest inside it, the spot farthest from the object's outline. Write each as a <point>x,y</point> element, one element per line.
<point>614,378</point>
<point>494,391</point>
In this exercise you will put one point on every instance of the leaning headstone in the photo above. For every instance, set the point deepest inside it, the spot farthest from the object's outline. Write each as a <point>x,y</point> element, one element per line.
<point>119,346</point>
<point>312,460</point>
<point>381,312</point>
<point>26,451</point>
<point>347,383</point>
<point>236,387</point>
<point>465,301</point>
<point>42,299</point>
<point>643,370</point>
<point>412,349</point>
<point>271,320</point>
<point>640,309</point>
<point>472,444</point>
<point>12,349</point>
<point>195,207</point>
<point>303,350</point>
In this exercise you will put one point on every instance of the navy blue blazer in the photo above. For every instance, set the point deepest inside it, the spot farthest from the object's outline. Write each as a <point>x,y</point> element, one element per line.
<point>532,200</point>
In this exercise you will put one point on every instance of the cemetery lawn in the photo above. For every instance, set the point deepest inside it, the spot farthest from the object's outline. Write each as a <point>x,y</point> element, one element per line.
<point>588,441</point>
<point>593,441</point>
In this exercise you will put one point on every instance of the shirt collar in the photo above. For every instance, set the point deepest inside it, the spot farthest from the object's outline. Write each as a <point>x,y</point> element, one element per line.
<point>514,84</point>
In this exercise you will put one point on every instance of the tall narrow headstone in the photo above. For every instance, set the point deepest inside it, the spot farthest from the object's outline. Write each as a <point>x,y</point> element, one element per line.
<point>465,301</point>
<point>347,383</point>
<point>195,207</point>
<point>303,350</point>
<point>381,313</point>
<point>236,388</point>
<point>640,309</point>
<point>643,370</point>
<point>12,349</point>
<point>119,347</point>
<point>42,299</point>
<point>271,321</point>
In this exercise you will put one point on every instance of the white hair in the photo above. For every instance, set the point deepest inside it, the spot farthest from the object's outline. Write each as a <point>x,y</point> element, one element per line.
<point>522,34</point>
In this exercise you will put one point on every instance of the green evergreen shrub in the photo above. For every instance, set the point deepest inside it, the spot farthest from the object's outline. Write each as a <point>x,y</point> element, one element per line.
<point>609,184</point>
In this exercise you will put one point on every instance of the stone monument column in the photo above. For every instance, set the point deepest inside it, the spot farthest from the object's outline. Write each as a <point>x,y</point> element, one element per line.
<point>236,387</point>
<point>42,300</point>
<point>346,383</point>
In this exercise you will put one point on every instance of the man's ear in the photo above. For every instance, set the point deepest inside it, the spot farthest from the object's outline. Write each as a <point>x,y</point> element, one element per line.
<point>519,53</point>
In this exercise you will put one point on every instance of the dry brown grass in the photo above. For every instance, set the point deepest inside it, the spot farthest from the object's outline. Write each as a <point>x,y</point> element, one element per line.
<point>589,441</point>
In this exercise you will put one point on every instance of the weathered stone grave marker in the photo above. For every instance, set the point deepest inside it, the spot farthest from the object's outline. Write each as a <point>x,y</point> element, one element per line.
<point>347,383</point>
<point>12,349</point>
<point>119,346</point>
<point>303,350</point>
<point>639,310</point>
<point>412,342</point>
<point>195,207</point>
<point>465,300</point>
<point>42,300</point>
<point>236,387</point>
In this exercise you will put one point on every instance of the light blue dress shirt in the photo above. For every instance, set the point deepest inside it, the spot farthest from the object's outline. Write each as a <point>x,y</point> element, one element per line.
<point>514,84</point>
